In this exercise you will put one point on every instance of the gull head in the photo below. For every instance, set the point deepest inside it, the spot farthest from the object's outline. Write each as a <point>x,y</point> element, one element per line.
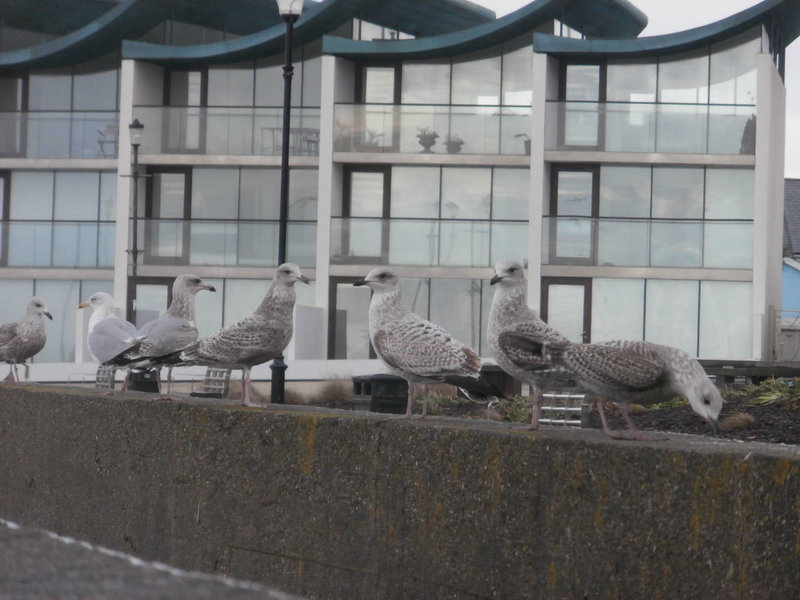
<point>98,300</point>
<point>190,284</point>
<point>288,273</point>
<point>36,306</point>
<point>508,273</point>
<point>706,401</point>
<point>380,280</point>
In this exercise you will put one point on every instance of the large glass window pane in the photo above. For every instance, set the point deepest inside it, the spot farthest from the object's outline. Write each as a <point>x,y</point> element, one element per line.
<point>733,69</point>
<point>229,130</point>
<point>426,83</point>
<point>95,85</point>
<point>151,302</point>
<point>20,290</point>
<point>678,192</point>
<point>631,81</point>
<point>455,305</point>
<point>676,244</point>
<point>630,127</point>
<point>365,237</point>
<point>623,243</point>
<point>74,244</point>
<point>509,242</point>
<point>76,196</point>
<point>684,80</point>
<point>476,78</point>
<point>574,193</point>
<point>728,245</point>
<point>258,244</point>
<point>731,130</point>
<point>350,327</point>
<point>312,78</point>
<point>617,309</point>
<point>30,244</point>
<point>466,193</point>
<point>565,309</point>
<point>671,314</point>
<point>108,196</point>
<point>185,88</point>
<point>242,297</point>
<point>681,128</point>
<point>415,192</point>
<point>49,135</point>
<point>31,195</point>
<point>231,85</point>
<point>583,82</point>
<point>581,124</point>
<point>208,308</point>
<point>303,190</point>
<point>169,195</point>
<point>424,250</point>
<point>105,244</point>
<point>464,244</point>
<point>624,191</point>
<point>61,298</point>
<point>725,319</point>
<point>518,72</point>
<point>379,85</point>
<point>213,243</point>
<point>50,90</point>
<point>301,244</point>
<point>510,192</point>
<point>366,194</point>
<point>729,193</point>
<point>260,193</point>
<point>215,193</point>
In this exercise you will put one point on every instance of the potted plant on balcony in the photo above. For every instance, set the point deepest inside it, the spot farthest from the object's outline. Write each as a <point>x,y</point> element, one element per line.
<point>427,138</point>
<point>453,144</point>
<point>526,141</point>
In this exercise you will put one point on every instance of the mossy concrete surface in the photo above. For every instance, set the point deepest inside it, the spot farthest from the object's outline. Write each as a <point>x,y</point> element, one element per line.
<point>333,504</point>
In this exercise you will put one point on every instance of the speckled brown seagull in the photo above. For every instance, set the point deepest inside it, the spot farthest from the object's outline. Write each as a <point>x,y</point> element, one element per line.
<point>251,341</point>
<point>412,347</point>
<point>519,339</point>
<point>25,338</point>
<point>642,372</point>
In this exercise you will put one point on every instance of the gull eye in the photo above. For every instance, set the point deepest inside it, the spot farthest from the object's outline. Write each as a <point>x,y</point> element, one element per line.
<point>706,401</point>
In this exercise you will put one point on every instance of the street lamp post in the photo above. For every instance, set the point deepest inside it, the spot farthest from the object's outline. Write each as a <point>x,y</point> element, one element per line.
<point>290,11</point>
<point>136,129</point>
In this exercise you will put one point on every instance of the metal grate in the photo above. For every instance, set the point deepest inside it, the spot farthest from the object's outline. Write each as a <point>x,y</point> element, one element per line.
<point>216,383</point>
<point>565,408</point>
<point>104,378</point>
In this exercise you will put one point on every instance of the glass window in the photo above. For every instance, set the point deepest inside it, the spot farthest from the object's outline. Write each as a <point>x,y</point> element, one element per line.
<point>301,244</point>
<point>617,309</point>
<point>208,308</point>
<point>30,244</point>
<point>231,85</point>
<point>678,192</point>
<point>379,85</point>
<point>630,127</point>
<point>242,297</point>
<point>583,82</point>
<point>733,69</point>
<point>260,191</point>
<point>725,319</point>
<point>10,93</point>
<point>729,193</point>
<point>455,305</point>
<point>151,301</point>
<point>31,195</point>
<point>624,191</point>
<point>366,194</point>
<point>671,313</point>
<point>61,298</point>
<point>623,243</point>
<point>476,78</point>
<point>76,196</point>
<point>213,243</point>
<point>426,83</point>
<point>681,128</point>
<point>75,244</point>
<point>728,245</point>
<point>731,129</point>
<point>466,193</point>
<point>510,191</point>
<point>426,249</point>
<point>50,90</point>
<point>269,82</point>
<point>565,309</point>
<point>258,244</point>
<point>415,192</point>
<point>185,88</point>
<point>574,193</point>
<point>351,334</point>
<point>509,242</point>
<point>631,82</point>
<point>108,195</point>
<point>518,72</point>
<point>169,195</point>
<point>215,193</point>
<point>303,189</point>
<point>676,244</point>
<point>20,290</point>
<point>464,243</point>
<point>95,85</point>
<point>312,79</point>
<point>684,79</point>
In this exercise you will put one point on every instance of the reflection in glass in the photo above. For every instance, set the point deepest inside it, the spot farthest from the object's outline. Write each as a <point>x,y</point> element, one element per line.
<point>684,79</point>
<point>366,194</point>
<point>509,242</point>
<point>476,78</point>
<point>231,85</point>
<point>617,309</point>
<point>581,124</point>
<point>379,85</point>
<point>242,296</point>
<point>258,244</point>
<point>351,335</point>
<point>259,193</point>
<point>623,243</point>
<point>631,81</point>
<point>725,320</point>
<point>464,244</point>
<point>301,244</point>
<point>50,90</point>
<point>212,243</point>
<point>583,82</point>
<point>61,297</point>
<point>630,127</point>
<point>423,250</point>
<point>169,195</point>
<point>729,193</point>
<point>415,192</point>
<point>215,193</point>
<point>733,69</point>
<point>624,191</point>
<point>455,305</point>
<point>303,190</point>
<point>676,244</point>
<point>678,192</point>
<point>151,302</point>
<point>517,72</point>
<point>510,190</point>
<point>574,193</point>
<point>671,314</point>
<point>74,244</point>
<point>573,237</point>
<point>466,193</point>
<point>425,82</point>
<point>731,130</point>
<point>31,195</point>
<point>728,245</point>
<point>565,310</point>
<point>29,244</point>
<point>681,128</point>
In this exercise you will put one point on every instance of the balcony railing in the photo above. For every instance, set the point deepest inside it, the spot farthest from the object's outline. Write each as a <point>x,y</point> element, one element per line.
<point>647,243</point>
<point>224,243</point>
<point>645,127</point>
<point>458,129</point>
<point>78,244</point>
<point>88,134</point>
<point>426,242</point>
<point>227,130</point>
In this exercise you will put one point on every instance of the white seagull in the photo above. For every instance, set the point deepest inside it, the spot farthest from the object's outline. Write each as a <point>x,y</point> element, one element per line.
<point>107,334</point>
<point>25,338</point>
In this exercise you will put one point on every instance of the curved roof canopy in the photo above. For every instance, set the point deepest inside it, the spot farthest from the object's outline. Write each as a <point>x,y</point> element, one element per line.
<point>610,18</point>
<point>780,17</point>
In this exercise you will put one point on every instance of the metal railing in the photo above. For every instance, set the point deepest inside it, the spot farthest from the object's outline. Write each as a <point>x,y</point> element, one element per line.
<point>432,129</point>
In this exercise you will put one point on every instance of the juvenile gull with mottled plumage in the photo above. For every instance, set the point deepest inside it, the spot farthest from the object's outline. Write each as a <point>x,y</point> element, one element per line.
<point>412,347</point>
<point>518,337</point>
<point>25,338</point>
<point>643,372</point>
<point>172,331</point>
<point>250,341</point>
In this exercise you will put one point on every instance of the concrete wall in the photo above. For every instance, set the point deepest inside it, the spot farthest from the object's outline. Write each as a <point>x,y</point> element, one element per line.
<point>343,505</point>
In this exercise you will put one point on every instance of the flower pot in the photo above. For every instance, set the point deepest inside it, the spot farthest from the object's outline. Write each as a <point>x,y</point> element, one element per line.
<point>427,140</point>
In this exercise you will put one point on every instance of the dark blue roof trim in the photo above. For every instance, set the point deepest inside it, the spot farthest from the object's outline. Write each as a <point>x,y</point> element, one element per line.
<point>616,18</point>
<point>784,15</point>
<point>429,18</point>
<point>130,18</point>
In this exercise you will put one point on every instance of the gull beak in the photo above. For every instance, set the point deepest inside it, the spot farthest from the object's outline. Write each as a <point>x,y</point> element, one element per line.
<point>208,287</point>
<point>495,279</point>
<point>304,279</point>
<point>715,427</point>
<point>360,282</point>
<point>48,315</point>
<point>83,305</point>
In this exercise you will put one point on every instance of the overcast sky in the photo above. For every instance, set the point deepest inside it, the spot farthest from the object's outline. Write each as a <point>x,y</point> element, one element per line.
<point>678,15</point>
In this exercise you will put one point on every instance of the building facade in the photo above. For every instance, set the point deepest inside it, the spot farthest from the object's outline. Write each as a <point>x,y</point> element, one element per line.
<point>639,180</point>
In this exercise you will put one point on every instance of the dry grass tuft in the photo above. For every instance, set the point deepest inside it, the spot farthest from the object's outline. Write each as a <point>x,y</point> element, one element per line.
<point>736,421</point>
<point>335,392</point>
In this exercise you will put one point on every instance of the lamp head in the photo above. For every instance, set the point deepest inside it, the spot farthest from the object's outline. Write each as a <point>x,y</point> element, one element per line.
<point>290,8</point>
<point>136,129</point>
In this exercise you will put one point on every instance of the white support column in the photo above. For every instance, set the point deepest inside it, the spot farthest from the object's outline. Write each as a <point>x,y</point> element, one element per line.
<point>122,241</point>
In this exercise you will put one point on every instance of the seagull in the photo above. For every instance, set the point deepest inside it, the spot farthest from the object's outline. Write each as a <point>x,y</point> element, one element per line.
<point>635,371</point>
<point>413,348</point>
<point>23,339</point>
<point>172,331</point>
<point>250,341</point>
<point>518,337</point>
<point>107,334</point>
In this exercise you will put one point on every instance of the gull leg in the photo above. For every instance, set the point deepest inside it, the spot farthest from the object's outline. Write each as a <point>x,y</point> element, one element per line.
<point>27,371</point>
<point>246,388</point>
<point>410,405</point>
<point>125,382</point>
<point>637,433</point>
<point>608,431</point>
<point>537,398</point>
<point>10,377</point>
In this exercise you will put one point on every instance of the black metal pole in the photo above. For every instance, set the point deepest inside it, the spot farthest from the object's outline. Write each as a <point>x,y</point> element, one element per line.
<point>278,365</point>
<point>135,232</point>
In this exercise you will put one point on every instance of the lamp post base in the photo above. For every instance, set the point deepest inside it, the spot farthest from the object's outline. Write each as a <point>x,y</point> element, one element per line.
<point>278,380</point>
